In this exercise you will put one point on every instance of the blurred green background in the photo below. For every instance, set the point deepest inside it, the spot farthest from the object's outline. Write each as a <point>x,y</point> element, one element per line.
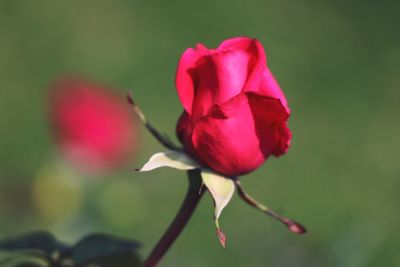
<point>338,64</point>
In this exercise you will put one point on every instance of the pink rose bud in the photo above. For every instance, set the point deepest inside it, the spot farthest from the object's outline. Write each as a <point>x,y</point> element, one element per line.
<point>93,127</point>
<point>235,112</point>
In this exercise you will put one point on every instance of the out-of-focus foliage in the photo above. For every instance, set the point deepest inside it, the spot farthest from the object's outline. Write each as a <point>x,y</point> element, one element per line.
<point>43,249</point>
<point>338,64</point>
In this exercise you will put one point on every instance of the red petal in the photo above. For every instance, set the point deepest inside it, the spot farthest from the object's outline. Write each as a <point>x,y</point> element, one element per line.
<point>270,117</point>
<point>236,137</point>
<point>206,86</point>
<point>184,131</point>
<point>270,87</point>
<point>183,81</point>
<point>226,140</point>
<point>207,77</point>
<point>232,69</point>
<point>257,62</point>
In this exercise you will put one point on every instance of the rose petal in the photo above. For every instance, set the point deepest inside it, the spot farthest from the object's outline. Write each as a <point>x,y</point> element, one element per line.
<point>227,71</point>
<point>231,69</point>
<point>206,77</point>
<point>183,81</point>
<point>270,118</point>
<point>284,136</point>
<point>206,86</point>
<point>237,136</point>
<point>257,62</point>
<point>228,145</point>
<point>270,87</point>
<point>184,131</point>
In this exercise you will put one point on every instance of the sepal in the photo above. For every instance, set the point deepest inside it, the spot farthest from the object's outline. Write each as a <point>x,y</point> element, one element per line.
<point>221,189</point>
<point>171,158</point>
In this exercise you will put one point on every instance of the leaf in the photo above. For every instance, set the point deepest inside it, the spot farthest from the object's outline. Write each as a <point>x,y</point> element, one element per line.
<point>23,258</point>
<point>32,263</point>
<point>100,246</point>
<point>40,240</point>
<point>39,249</point>
<point>221,189</point>
<point>121,260</point>
<point>170,158</point>
<point>29,264</point>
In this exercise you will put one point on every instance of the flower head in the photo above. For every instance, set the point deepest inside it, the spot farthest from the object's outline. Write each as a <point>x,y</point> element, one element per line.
<point>235,114</point>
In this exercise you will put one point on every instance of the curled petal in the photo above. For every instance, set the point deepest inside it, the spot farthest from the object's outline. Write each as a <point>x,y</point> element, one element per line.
<point>283,137</point>
<point>184,82</point>
<point>270,118</point>
<point>257,58</point>
<point>270,87</point>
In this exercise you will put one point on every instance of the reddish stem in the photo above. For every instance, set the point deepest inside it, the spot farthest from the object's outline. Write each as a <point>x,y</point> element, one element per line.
<point>189,204</point>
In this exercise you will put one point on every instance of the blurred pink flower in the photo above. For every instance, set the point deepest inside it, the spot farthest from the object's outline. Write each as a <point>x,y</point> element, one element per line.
<point>93,126</point>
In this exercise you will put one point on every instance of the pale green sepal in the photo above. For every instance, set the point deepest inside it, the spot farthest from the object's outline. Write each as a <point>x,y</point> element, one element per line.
<point>221,189</point>
<point>173,159</point>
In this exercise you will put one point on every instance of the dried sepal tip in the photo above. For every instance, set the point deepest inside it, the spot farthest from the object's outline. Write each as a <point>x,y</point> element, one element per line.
<point>295,227</point>
<point>222,237</point>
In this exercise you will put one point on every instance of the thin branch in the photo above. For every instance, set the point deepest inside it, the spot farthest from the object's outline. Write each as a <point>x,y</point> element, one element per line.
<point>163,139</point>
<point>293,226</point>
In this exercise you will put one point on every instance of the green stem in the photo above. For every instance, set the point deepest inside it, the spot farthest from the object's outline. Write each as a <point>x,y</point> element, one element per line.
<point>189,204</point>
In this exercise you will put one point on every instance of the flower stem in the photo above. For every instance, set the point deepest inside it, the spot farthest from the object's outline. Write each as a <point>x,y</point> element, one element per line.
<point>193,195</point>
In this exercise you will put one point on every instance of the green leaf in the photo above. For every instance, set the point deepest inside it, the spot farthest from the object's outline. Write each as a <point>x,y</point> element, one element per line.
<point>121,260</point>
<point>25,258</point>
<point>99,246</point>
<point>40,241</point>
<point>32,264</point>
<point>173,159</point>
<point>40,249</point>
<point>28,264</point>
<point>221,189</point>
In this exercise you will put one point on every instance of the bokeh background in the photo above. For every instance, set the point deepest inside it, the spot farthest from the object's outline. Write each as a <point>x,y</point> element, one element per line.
<point>338,64</point>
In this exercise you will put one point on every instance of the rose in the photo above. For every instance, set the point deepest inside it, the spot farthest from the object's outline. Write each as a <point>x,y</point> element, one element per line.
<point>235,113</point>
<point>93,126</point>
